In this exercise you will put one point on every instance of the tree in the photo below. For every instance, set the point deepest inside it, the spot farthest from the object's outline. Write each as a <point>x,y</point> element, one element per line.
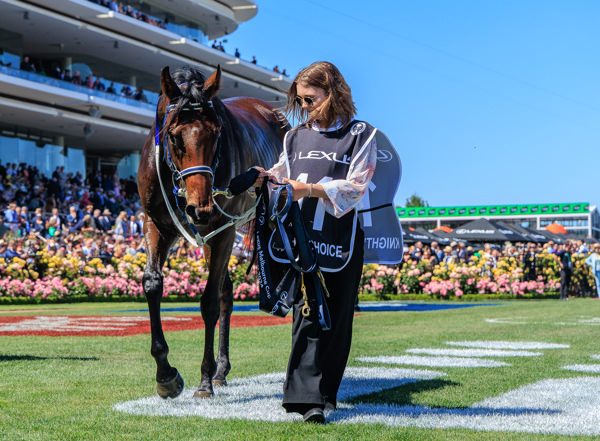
<point>416,201</point>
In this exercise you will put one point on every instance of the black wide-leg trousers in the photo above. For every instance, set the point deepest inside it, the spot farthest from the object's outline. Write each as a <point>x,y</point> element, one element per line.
<point>318,358</point>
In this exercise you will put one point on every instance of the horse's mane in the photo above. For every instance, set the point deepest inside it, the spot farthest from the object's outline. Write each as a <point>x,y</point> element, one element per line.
<point>191,83</point>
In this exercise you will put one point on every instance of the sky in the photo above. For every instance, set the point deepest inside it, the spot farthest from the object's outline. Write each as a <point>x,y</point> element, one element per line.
<point>486,101</point>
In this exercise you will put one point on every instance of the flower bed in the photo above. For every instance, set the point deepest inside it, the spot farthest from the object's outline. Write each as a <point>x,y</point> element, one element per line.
<point>50,278</point>
<point>473,278</point>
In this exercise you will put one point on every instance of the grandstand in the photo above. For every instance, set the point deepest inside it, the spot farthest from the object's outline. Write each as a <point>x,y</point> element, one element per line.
<point>48,122</point>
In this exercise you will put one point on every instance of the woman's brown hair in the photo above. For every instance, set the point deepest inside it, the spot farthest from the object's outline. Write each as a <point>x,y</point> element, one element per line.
<point>338,103</point>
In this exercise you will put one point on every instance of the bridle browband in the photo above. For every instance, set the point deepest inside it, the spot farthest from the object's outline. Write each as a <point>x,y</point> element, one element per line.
<point>178,176</point>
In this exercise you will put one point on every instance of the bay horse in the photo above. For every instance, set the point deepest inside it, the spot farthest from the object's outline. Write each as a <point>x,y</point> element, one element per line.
<point>197,145</point>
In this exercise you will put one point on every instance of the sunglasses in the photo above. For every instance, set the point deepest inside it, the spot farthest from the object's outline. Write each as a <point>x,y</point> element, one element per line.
<point>308,100</point>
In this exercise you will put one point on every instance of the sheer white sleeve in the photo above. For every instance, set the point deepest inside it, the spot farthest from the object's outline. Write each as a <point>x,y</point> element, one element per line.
<point>279,170</point>
<point>345,194</point>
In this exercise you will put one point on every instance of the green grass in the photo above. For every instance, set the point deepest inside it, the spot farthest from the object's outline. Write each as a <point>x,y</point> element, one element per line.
<point>63,388</point>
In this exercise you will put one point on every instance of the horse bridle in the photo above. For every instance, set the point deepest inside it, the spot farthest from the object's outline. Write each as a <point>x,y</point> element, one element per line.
<point>178,176</point>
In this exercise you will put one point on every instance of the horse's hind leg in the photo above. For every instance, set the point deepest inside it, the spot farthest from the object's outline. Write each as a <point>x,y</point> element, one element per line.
<point>169,383</point>
<point>223,365</point>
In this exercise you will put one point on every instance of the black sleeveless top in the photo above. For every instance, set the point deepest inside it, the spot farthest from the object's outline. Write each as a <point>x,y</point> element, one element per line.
<point>319,157</point>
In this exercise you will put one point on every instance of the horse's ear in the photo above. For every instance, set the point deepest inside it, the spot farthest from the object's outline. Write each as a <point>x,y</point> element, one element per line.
<point>213,84</point>
<point>168,86</point>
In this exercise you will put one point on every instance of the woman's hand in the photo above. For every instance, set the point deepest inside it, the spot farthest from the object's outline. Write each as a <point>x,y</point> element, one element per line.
<point>302,189</point>
<point>261,177</point>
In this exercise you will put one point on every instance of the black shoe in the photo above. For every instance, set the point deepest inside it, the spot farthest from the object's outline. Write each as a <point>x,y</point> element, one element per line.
<point>314,415</point>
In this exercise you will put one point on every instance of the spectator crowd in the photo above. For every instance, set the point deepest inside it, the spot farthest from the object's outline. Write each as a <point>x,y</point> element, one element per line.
<point>98,216</point>
<point>101,216</point>
<point>75,78</point>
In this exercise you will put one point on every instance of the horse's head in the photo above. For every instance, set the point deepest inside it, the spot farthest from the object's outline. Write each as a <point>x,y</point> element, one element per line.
<point>190,134</point>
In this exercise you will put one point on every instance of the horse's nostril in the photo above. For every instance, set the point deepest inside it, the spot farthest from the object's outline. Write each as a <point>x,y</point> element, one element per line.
<point>192,212</point>
<point>196,215</point>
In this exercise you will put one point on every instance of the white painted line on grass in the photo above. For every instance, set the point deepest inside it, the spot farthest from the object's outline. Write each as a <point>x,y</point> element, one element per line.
<point>517,345</point>
<point>509,320</point>
<point>553,406</point>
<point>587,321</point>
<point>434,361</point>
<point>587,368</point>
<point>561,407</point>
<point>474,352</point>
<point>259,398</point>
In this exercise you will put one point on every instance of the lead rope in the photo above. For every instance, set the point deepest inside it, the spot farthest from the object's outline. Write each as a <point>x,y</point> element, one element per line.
<point>305,254</point>
<point>174,218</point>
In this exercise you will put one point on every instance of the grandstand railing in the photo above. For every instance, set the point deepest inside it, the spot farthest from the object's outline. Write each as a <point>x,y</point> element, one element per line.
<point>55,82</point>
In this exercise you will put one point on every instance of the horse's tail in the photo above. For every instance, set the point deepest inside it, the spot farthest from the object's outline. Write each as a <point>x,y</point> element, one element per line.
<point>249,244</point>
<point>249,238</point>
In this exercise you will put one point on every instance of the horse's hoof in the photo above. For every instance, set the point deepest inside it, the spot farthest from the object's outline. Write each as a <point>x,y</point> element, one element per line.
<point>171,388</point>
<point>202,394</point>
<point>219,383</point>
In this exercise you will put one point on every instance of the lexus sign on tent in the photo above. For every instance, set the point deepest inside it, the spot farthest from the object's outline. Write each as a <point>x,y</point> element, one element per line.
<point>483,230</point>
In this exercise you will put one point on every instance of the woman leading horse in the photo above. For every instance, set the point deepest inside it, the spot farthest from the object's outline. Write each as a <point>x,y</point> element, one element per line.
<point>328,161</point>
<point>197,145</point>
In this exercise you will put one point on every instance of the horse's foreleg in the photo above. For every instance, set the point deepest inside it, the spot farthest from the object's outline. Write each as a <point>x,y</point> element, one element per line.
<point>169,383</point>
<point>210,308</point>
<point>210,315</point>
<point>223,365</point>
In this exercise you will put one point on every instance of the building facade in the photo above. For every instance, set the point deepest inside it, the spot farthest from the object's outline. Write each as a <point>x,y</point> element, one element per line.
<point>46,120</point>
<point>579,218</point>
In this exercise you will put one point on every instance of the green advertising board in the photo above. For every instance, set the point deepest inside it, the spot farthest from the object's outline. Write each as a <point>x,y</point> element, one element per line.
<point>493,210</point>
